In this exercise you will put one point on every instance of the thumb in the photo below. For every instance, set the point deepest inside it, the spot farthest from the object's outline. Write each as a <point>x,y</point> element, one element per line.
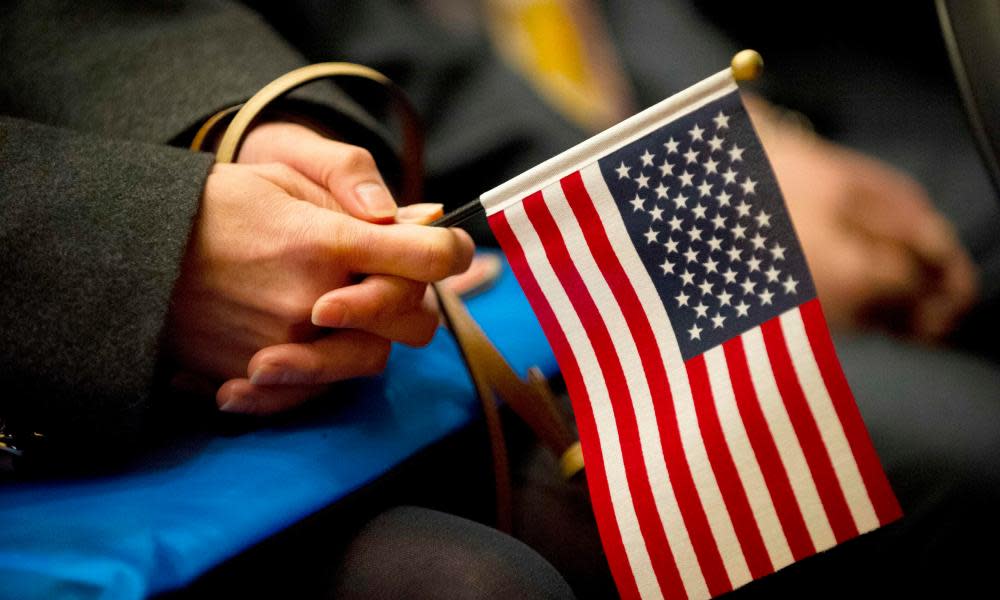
<point>347,172</point>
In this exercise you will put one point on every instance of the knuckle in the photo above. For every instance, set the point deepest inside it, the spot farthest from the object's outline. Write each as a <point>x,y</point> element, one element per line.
<point>436,254</point>
<point>293,307</point>
<point>358,159</point>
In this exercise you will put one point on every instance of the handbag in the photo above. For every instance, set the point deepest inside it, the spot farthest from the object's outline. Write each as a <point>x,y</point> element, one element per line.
<point>531,399</point>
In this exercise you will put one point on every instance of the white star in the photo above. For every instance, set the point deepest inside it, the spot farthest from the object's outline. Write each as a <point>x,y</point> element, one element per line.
<point>671,246</point>
<point>675,223</point>
<point>656,213</point>
<point>711,265</point>
<point>647,159</point>
<point>705,189</point>
<point>739,231</point>
<point>694,234</point>
<point>696,132</point>
<point>651,235</point>
<point>763,219</point>
<point>661,191</point>
<point>643,181</point>
<point>691,156</point>
<point>715,143</point>
<point>772,274</point>
<point>685,178</point>
<point>734,254</point>
<point>705,287</point>
<point>687,277</point>
<point>765,297</point>
<point>747,285</point>
<point>725,298</point>
<point>682,299</point>
<point>724,198</point>
<point>717,321</point>
<point>638,203</point>
<point>721,121</point>
<point>790,285</point>
<point>691,255</point>
<point>699,211</point>
<point>758,241</point>
<point>622,171</point>
<point>754,264</point>
<point>701,310</point>
<point>719,221</point>
<point>748,185</point>
<point>671,146</point>
<point>715,243</point>
<point>711,166</point>
<point>741,309</point>
<point>743,208</point>
<point>695,332</point>
<point>777,252</point>
<point>667,168</point>
<point>735,153</point>
<point>667,266</point>
<point>729,175</point>
<point>680,201</point>
<point>729,275</point>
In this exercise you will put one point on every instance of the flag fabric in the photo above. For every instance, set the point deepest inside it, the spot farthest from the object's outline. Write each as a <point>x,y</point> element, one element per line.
<point>720,438</point>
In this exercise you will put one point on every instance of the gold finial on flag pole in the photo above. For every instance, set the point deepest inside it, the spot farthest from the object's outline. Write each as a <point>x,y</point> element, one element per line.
<point>747,65</point>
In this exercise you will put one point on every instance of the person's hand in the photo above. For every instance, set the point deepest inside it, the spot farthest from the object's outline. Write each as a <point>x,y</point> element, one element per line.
<point>346,175</point>
<point>879,252</point>
<point>271,262</point>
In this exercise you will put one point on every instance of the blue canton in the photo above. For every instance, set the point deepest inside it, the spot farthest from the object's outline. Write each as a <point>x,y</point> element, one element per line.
<point>704,211</point>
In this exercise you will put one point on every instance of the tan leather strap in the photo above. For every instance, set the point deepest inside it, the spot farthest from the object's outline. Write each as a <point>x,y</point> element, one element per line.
<point>411,153</point>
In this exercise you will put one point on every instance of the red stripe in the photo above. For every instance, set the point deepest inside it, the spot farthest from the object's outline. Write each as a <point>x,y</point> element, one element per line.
<point>681,479</point>
<point>886,506</point>
<point>792,523</point>
<point>597,482</point>
<point>807,432</point>
<point>618,391</point>
<point>719,454</point>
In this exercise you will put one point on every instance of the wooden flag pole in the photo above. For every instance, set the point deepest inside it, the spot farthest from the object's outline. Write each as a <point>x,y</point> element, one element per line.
<point>747,65</point>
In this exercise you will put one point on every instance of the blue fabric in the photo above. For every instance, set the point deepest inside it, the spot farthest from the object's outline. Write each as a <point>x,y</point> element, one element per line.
<point>159,526</point>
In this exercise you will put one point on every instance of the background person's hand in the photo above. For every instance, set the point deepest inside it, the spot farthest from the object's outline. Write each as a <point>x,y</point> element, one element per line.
<point>258,261</point>
<point>879,252</point>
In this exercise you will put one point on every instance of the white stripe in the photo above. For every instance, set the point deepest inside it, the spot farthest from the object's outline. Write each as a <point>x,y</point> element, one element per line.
<point>680,388</point>
<point>642,402</point>
<point>830,428</point>
<point>789,449</point>
<point>745,460</point>
<point>636,126</point>
<point>607,432</point>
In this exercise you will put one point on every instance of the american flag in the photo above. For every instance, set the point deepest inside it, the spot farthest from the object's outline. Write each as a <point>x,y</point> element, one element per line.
<point>720,437</point>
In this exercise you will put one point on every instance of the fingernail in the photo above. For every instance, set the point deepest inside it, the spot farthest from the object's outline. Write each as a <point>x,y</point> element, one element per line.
<point>424,212</point>
<point>230,404</point>
<point>376,200</point>
<point>270,375</point>
<point>330,313</point>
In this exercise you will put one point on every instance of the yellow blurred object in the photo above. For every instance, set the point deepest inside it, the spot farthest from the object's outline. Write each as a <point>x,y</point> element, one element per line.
<point>562,48</point>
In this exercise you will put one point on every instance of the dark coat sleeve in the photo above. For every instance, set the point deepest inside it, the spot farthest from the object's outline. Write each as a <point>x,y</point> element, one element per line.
<point>95,207</point>
<point>92,234</point>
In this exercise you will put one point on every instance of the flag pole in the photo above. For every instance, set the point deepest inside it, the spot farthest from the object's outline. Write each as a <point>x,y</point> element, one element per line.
<point>747,65</point>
